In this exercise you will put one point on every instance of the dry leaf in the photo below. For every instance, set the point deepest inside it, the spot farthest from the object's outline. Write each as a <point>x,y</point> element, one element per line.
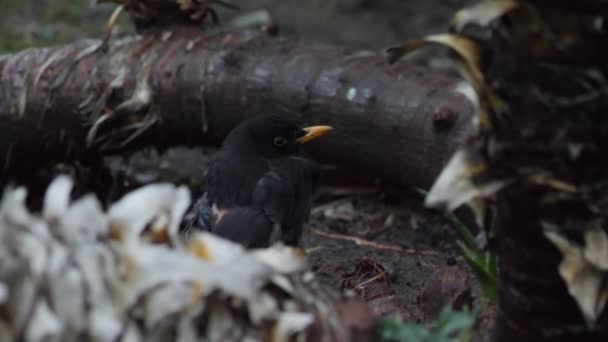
<point>586,283</point>
<point>62,277</point>
<point>482,13</point>
<point>454,186</point>
<point>596,247</point>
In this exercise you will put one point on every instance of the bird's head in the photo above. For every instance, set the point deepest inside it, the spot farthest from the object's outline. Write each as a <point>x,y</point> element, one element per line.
<point>271,136</point>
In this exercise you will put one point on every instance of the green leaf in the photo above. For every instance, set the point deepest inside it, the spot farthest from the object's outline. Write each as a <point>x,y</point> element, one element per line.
<point>468,237</point>
<point>453,322</point>
<point>394,330</point>
<point>450,326</point>
<point>483,265</point>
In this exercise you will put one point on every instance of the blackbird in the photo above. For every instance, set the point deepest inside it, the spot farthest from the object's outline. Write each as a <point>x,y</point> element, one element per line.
<point>258,191</point>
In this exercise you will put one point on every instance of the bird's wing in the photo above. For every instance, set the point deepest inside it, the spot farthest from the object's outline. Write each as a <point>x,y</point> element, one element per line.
<point>285,194</point>
<point>272,195</point>
<point>248,226</point>
<point>230,181</point>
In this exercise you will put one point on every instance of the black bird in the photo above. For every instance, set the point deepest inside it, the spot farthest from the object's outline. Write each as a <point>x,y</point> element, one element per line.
<point>258,191</point>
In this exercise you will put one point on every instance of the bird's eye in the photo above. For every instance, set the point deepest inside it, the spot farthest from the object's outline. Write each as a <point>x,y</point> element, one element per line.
<point>279,141</point>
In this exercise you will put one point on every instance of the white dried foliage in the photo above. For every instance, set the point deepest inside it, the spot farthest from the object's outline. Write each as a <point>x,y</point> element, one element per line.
<point>584,269</point>
<point>77,272</point>
<point>454,187</point>
<point>466,89</point>
<point>482,13</point>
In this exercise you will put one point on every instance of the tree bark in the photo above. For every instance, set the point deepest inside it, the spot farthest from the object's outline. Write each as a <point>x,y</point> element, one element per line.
<point>546,62</point>
<point>397,122</point>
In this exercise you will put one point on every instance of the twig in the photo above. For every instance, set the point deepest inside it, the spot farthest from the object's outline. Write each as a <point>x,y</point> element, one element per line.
<point>362,242</point>
<point>427,264</point>
<point>313,249</point>
<point>321,208</point>
<point>371,280</point>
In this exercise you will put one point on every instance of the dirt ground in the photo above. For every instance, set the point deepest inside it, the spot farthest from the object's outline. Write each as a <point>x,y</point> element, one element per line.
<point>426,244</point>
<point>377,242</point>
<point>383,246</point>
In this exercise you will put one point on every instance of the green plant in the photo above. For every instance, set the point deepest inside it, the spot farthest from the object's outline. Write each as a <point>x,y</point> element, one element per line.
<point>482,262</point>
<point>449,326</point>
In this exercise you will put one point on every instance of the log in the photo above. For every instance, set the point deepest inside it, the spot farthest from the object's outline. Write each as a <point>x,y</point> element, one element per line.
<point>397,122</point>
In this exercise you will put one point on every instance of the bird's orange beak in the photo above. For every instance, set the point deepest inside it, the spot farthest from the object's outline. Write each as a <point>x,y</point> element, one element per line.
<point>313,132</point>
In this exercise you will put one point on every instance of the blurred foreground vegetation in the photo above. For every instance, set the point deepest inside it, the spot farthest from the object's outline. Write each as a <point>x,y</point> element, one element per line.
<point>30,23</point>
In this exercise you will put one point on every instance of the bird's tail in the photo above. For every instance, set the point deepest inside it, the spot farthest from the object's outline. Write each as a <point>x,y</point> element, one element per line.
<point>199,217</point>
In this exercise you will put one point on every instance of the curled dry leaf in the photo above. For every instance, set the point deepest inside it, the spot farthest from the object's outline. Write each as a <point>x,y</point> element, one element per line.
<point>596,247</point>
<point>283,258</point>
<point>57,198</point>
<point>482,13</point>
<point>583,269</point>
<point>466,49</point>
<point>63,275</point>
<point>154,204</point>
<point>455,186</point>
<point>470,54</point>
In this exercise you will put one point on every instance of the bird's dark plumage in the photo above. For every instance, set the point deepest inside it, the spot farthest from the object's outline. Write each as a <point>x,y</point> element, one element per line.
<point>257,189</point>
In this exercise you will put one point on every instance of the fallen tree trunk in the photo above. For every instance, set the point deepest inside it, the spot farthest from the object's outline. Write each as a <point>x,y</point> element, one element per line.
<point>398,122</point>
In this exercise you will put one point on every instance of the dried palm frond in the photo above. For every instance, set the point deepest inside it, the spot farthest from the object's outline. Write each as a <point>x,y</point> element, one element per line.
<point>77,271</point>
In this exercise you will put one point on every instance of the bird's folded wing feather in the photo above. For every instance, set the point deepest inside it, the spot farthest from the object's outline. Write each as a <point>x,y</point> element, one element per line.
<point>230,181</point>
<point>285,194</point>
<point>248,226</point>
